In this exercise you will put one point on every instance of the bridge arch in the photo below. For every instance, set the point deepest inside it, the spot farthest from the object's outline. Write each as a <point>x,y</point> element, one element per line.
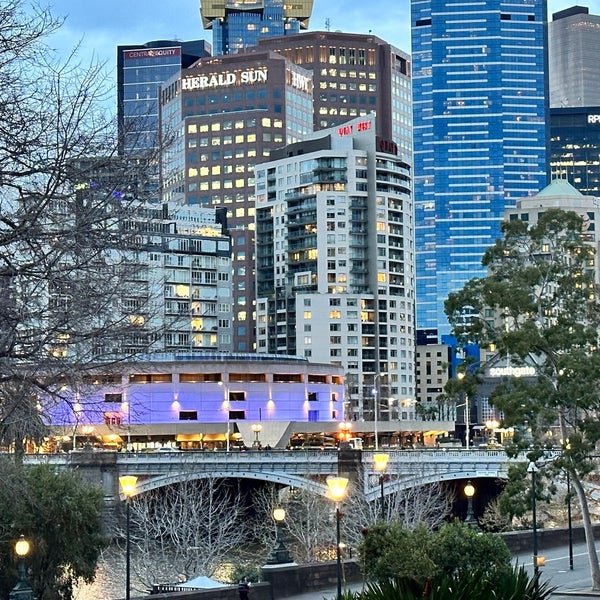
<point>158,481</point>
<point>373,492</point>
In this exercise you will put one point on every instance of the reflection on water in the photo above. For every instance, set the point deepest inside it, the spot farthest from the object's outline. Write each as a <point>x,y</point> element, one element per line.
<point>110,578</point>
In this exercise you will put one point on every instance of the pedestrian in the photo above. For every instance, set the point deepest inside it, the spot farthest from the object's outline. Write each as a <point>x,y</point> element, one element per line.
<point>244,588</point>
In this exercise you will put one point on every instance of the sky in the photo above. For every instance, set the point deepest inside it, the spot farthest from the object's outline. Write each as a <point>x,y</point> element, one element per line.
<point>101,25</point>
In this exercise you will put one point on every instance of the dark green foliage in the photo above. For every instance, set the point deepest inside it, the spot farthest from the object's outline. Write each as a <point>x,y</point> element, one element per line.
<point>61,517</point>
<point>509,584</point>
<point>460,548</point>
<point>390,551</point>
<point>539,306</point>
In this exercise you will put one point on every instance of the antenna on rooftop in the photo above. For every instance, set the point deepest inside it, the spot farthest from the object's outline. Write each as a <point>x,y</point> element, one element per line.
<point>327,24</point>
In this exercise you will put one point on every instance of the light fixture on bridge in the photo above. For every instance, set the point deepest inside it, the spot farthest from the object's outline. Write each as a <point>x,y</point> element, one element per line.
<point>380,463</point>
<point>128,487</point>
<point>256,428</point>
<point>345,430</point>
<point>280,554</point>
<point>469,491</point>
<point>337,491</point>
<point>22,590</point>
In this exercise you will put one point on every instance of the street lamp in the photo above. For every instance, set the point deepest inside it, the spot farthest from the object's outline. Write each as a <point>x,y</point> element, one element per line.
<point>345,430</point>
<point>492,425</point>
<point>337,490</point>
<point>381,463</point>
<point>533,469</point>
<point>22,590</point>
<point>469,490</point>
<point>129,488</point>
<point>566,449</point>
<point>226,406</point>
<point>256,428</point>
<point>461,375</point>
<point>376,396</point>
<point>570,521</point>
<point>280,554</point>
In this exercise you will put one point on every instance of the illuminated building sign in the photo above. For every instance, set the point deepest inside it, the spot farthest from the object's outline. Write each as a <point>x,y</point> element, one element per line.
<point>349,129</point>
<point>387,146</point>
<point>512,372</point>
<point>593,119</point>
<point>225,79</point>
<point>151,53</point>
<point>300,82</point>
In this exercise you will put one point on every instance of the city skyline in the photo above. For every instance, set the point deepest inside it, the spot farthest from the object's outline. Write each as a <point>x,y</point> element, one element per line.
<point>102,27</point>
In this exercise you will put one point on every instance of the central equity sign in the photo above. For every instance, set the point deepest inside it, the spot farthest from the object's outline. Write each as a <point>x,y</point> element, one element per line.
<point>202,82</point>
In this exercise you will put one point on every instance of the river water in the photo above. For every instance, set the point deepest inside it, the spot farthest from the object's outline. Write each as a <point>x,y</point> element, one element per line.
<point>110,578</point>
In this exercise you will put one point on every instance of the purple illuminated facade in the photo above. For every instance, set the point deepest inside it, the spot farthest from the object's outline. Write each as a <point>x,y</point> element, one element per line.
<point>186,402</point>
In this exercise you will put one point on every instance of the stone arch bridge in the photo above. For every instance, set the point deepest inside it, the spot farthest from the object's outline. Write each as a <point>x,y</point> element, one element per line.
<point>307,469</point>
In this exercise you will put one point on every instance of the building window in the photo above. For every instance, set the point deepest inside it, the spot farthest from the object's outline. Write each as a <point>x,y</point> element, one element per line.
<point>113,397</point>
<point>188,415</point>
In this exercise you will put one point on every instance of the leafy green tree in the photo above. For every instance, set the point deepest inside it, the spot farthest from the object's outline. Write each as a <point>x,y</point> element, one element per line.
<point>392,551</point>
<point>60,515</point>
<point>460,548</point>
<point>539,304</point>
<point>468,585</point>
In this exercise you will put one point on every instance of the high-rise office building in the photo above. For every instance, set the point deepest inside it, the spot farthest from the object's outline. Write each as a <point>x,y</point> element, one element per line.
<point>239,24</point>
<point>230,112</point>
<point>271,95</point>
<point>354,75</point>
<point>575,147</point>
<point>574,75</point>
<point>141,70</point>
<point>574,57</point>
<point>335,262</point>
<point>480,112</point>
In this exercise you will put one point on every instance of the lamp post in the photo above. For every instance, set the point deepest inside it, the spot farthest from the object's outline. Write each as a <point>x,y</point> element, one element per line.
<point>377,400</point>
<point>256,428</point>
<point>337,490</point>
<point>381,463</point>
<point>569,521</point>
<point>566,449</point>
<point>467,415</point>
<point>22,590</point>
<point>533,469</point>
<point>226,407</point>
<point>492,425</point>
<point>469,490</point>
<point>280,554</point>
<point>128,488</point>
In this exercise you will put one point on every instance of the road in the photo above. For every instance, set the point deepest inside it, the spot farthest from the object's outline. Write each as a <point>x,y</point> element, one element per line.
<point>568,583</point>
<point>557,572</point>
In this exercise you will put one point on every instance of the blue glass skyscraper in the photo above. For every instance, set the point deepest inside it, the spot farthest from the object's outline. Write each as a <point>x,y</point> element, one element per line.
<point>238,24</point>
<point>480,98</point>
<point>141,70</point>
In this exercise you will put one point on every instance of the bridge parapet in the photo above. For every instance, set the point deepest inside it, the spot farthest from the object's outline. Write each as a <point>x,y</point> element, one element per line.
<point>307,469</point>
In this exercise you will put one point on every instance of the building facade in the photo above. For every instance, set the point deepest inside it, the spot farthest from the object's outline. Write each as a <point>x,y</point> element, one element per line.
<point>195,401</point>
<point>354,75</point>
<point>335,262</point>
<point>480,112</point>
<point>237,25</point>
<point>179,295</point>
<point>575,147</point>
<point>229,112</point>
<point>574,52</point>
<point>141,70</point>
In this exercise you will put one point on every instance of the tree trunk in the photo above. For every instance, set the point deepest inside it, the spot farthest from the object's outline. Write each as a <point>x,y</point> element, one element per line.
<point>589,534</point>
